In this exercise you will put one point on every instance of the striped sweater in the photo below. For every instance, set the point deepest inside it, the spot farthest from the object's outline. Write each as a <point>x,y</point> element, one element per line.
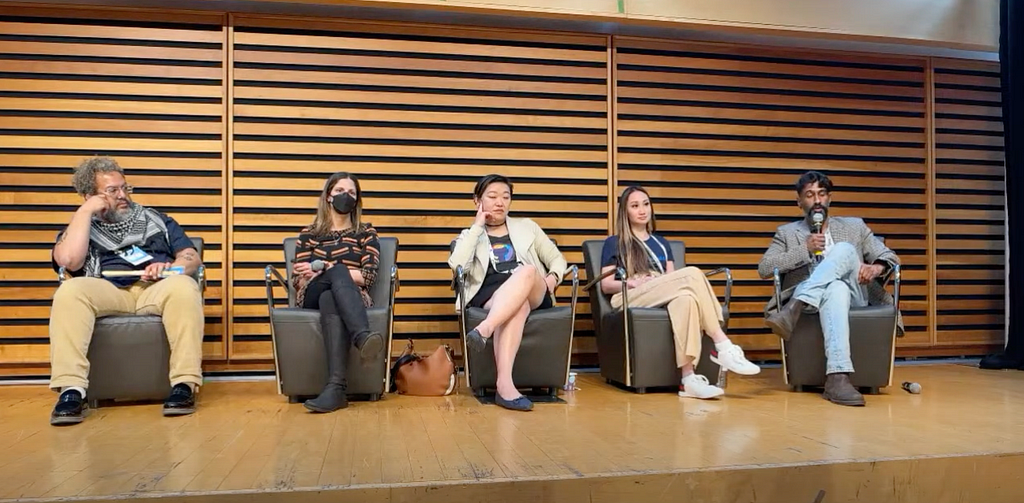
<point>356,248</point>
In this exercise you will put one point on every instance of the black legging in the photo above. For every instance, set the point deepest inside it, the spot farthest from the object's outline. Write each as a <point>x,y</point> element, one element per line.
<point>344,295</point>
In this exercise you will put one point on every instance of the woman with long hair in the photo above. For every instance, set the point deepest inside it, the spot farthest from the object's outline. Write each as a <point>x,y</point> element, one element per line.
<point>512,268</point>
<point>336,263</point>
<point>653,281</point>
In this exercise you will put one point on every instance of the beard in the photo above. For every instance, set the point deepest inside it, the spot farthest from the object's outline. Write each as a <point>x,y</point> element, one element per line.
<point>116,215</point>
<point>815,208</point>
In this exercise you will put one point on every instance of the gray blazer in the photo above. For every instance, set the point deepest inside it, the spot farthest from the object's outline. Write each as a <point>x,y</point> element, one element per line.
<point>788,253</point>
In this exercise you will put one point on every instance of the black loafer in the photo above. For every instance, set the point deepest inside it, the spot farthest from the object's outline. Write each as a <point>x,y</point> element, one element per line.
<point>369,344</point>
<point>182,401</point>
<point>475,341</point>
<point>70,409</point>
<point>522,403</point>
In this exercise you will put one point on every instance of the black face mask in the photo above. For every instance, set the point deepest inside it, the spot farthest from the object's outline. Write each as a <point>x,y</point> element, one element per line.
<point>343,203</point>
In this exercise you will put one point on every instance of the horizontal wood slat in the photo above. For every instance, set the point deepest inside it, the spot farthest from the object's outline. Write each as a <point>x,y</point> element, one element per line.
<point>970,202</point>
<point>419,120</point>
<point>146,90</point>
<point>722,183</point>
<point>717,133</point>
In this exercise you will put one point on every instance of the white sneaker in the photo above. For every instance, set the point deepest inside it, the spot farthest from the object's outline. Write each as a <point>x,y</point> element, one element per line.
<point>697,386</point>
<point>732,359</point>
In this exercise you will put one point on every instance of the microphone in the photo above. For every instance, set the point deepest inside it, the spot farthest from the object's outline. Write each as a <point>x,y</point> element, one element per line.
<point>817,218</point>
<point>170,271</point>
<point>911,387</point>
<point>317,265</point>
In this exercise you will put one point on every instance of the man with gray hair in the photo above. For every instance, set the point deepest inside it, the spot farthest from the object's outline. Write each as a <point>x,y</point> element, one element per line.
<point>124,258</point>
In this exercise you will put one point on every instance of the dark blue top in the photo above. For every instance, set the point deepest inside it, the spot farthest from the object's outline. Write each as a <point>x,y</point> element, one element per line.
<point>162,248</point>
<point>657,244</point>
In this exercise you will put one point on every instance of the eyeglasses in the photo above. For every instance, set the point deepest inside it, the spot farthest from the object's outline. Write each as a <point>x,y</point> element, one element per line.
<point>112,191</point>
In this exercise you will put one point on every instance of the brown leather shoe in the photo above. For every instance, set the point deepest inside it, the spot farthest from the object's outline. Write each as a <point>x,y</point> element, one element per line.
<point>838,389</point>
<point>783,322</point>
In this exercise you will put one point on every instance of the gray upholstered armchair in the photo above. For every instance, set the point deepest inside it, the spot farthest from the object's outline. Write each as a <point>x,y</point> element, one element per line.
<point>634,345</point>
<point>129,358</point>
<point>543,358</point>
<point>299,353</point>
<point>872,343</point>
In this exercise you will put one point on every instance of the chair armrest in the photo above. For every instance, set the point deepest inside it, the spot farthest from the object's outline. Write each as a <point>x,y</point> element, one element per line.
<point>897,275</point>
<point>728,282</point>
<point>458,286</point>
<point>201,277</point>
<point>777,278</point>
<point>394,284</point>
<point>595,281</point>
<point>574,273</point>
<point>270,275</point>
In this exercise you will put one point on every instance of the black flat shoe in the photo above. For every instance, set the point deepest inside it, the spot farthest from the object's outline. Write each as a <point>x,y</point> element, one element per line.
<point>522,403</point>
<point>475,341</point>
<point>182,401</point>
<point>70,409</point>
<point>369,344</point>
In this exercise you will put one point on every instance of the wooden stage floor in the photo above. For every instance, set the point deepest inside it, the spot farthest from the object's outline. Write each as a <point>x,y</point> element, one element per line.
<point>961,440</point>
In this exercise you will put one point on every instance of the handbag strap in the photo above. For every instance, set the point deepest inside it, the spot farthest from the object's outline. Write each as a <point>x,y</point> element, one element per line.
<point>407,356</point>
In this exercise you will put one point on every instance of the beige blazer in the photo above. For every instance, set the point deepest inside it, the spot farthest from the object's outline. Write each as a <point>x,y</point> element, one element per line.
<point>473,252</point>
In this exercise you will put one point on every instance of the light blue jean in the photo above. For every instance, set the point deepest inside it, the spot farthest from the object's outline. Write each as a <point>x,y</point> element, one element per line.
<point>831,289</point>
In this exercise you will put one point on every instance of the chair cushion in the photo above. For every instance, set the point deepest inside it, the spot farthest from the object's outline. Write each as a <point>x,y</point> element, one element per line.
<point>301,355</point>
<point>129,359</point>
<point>543,354</point>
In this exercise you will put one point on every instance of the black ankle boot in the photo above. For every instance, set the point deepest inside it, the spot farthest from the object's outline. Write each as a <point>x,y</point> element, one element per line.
<point>332,398</point>
<point>336,342</point>
<point>369,344</point>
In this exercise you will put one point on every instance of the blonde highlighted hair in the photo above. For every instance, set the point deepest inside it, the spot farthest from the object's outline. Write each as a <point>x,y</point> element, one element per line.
<point>632,255</point>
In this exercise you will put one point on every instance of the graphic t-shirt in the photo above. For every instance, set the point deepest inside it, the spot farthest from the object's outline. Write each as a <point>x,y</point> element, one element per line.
<point>503,256</point>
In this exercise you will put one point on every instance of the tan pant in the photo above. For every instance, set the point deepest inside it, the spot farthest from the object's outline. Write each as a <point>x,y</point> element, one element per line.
<point>79,301</point>
<point>691,303</point>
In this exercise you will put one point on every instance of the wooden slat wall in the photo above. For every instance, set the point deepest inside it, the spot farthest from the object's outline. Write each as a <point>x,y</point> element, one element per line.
<point>145,89</point>
<point>717,133</point>
<point>969,203</point>
<point>719,136</point>
<point>419,113</point>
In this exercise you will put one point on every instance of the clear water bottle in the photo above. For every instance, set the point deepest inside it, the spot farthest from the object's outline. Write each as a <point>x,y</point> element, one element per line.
<point>571,384</point>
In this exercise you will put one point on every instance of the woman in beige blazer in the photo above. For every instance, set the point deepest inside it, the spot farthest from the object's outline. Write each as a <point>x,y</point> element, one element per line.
<point>512,268</point>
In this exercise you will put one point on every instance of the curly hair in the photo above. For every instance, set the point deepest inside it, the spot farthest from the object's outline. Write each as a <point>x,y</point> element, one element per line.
<point>84,179</point>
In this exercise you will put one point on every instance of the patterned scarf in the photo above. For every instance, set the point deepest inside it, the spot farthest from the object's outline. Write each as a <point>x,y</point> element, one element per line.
<point>140,224</point>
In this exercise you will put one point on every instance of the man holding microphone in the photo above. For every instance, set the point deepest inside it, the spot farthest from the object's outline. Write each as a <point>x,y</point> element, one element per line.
<point>837,262</point>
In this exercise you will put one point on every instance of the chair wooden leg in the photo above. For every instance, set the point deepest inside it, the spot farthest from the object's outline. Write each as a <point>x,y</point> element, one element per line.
<point>553,391</point>
<point>641,391</point>
<point>375,397</point>
<point>94,404</point>
<point>479,392</point>
<point>294,399</point>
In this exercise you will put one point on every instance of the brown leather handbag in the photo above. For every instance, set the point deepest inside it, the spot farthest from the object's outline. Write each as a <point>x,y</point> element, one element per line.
<point>417,375</point>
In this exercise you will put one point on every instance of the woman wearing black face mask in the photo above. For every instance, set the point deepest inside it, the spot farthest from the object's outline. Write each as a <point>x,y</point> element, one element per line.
<point>336,262</point>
